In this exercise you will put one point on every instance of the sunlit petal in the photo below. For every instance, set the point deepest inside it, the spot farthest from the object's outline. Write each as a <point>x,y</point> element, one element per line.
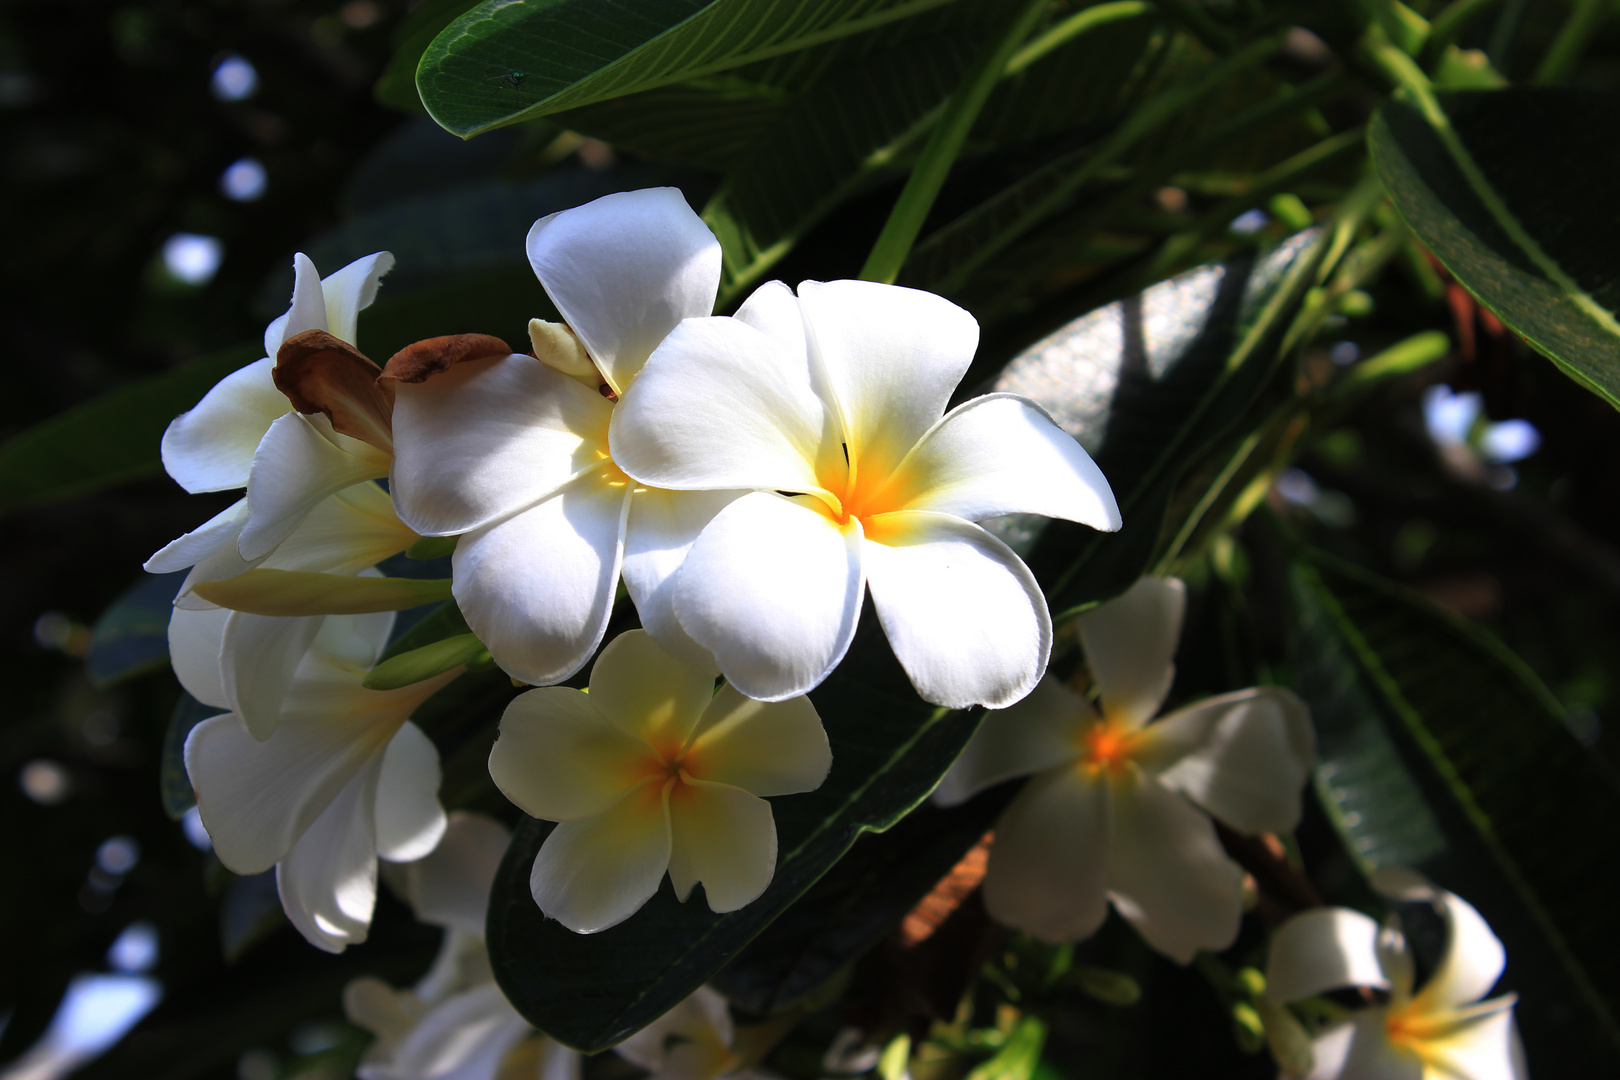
<point>559,759</point>
<point>596,872</point>
<point>345,533</point>
<point>624,270</point>
<point>450,886</point>
<point>1479,1048</point>
<point>328,880</point>
<point>1323,949</point>
<point>349,291</point>
<point>647,693</point>
<point>723,837</point>
<point>538,588</point>
<point>662,528</point>
<point>1359,1049</point>
<point>1474,957</point>
<point>765,748</point>
<point>962,612</point>
<point>773,589</point>
<point>218,532</point>
<point>1050,862</point>
<point>1170,877</point>
<point>299,462</point>
<point>410,819</point>
<point>306,310</point>
<point>1038,733</point>
<point>487,438</point>
<point>210,448</point>
<point>1130,642</point>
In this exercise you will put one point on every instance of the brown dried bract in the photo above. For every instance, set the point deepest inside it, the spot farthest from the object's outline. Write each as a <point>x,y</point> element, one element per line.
<point>422,360</point>
<point>320,373</point>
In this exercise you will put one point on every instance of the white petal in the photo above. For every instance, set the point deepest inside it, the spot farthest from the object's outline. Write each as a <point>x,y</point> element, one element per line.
<point>1480,1048</point>
<point>212,535</point>
<point>1130,642</point>
<point>700,1018</point>
<point>306,311</point>
<point>538,588</point>
<point>1253,762</point>
<point>296,466</point>
<point>624,270</point>
<point>257,799</point>
<point>962,612</point>
<point>410,820</point>
<point>559,1062</point>
<point>773,589</point>
<point>351,289</point>
<point>354,642</point>
<point>1473,959</point>
<point>1170,877</point>
<point>489,437</point>
<point>1049,863</point>
<point>720,405</point>
<point>372,1004</point>
<point>1002,454</point>
<point>892,356</point>
<point>596,872</point>
<point>464,1037</point>
<point>195,641</point>
<point>642,690</point>
<point>257,662</point>
<point>765,748</point>
<point>1323,949</point>
<point>662,528</point>
<point>210,448</point>
<point>450,886</point>
<point>774,311</point>
<point>1359,1049</point>
<point>723,837</point>
<point>1033,735</point>
<point>345,533</point>
<point>559,759</point>
<point>328,881</point>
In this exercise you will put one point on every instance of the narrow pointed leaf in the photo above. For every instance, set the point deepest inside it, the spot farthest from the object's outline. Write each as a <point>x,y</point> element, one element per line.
<point>300,592</point>
<point>420,664</point>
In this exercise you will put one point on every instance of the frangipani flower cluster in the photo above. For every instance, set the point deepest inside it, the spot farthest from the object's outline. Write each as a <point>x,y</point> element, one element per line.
<point>1118,810</point>
<point>1444,1030</point>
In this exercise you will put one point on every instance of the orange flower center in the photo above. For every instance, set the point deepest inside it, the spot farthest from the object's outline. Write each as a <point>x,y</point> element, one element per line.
<point>1107,747</point>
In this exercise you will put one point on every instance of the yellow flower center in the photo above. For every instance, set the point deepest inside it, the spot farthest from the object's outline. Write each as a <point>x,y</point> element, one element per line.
<point>1106,746</point>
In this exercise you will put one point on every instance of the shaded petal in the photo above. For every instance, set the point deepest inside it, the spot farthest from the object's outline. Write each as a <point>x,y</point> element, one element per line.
<point>1359,1049</point>
<point>559,1062</point>
<point>1480,1048</point>
<point>347,292</point>
<point>210,448</point>
<point>662,528</point>
<point>217,533</point>
<point>487,438</point>
<point>1250,767</point>
<point>354,642</point>
<point>624,270</point>
<point>257,662</point>
<point>464,1037</point>
<point>389,1014</point>
<point>764,748</point>
<point>1002,454</point>
<point>720,405</point>
<point>723,837</point>
<point>559,759</point>
<point>773,589</point>
<point>410,819</point>
<point>1170,877</point>
<point>1038,733</point>
<point>962,612</point>
<point>892,357</point>
<point>702,1018</point>
<point>645,692</point>
<point>1130,642</point>
<point>1323,949</point>
<point>538,588</point>
<point>328,881</point>
<point>450,886</point>
<point>195,641</point>
<point>306,311</point>
<point>596,872</point>
<point>300,462</point>
<point>345,533</point>
<point>1049,863</point>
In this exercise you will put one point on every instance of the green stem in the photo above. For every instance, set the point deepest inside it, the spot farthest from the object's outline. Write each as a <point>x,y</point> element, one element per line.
<point>928,175</point>
<point>1072,27</point>
<point>1451,22</point>
<point>1571,42</point>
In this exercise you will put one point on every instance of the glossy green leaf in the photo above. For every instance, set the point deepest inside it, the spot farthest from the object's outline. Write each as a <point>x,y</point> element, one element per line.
<point>396,87</point>
<point>562,54</point>
<point>131,637</point>
<point>110,440</point>
<point>1502,185</point>
<point>1441,751</point>
<point>592,990</point>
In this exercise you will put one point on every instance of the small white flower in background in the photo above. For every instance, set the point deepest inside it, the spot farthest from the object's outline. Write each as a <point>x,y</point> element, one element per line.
<point>693,1041</point>
<point>513,451</point>
<point>1119,809</point>
<point>454,1024</point>
<point>1470,447</point>
<point>652,771</point>
<point>831,406</point>
<point>1443,1031</point>
<point>344,778</point>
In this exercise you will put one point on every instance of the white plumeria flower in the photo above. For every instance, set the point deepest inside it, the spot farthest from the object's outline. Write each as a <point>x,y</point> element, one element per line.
<point>513,451</point>
<point>830,404</point>
<point>455,1024</point>
<point>693,1041</point>
<point>652,771</point>
<point>344,779</point>
<point>1444,1031</point>
<point>1116,808</point>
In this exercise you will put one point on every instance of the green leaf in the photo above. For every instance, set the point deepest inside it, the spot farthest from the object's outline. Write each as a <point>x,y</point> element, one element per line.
<point>132,635</point>
<point>396,87</point>
<point>424,663</point>
<point>568,53</point>
<point>592,990</point>
<point>1511,191</point>
<point>173,781</point>
<point>110,440</point>
<point>1443,752</point>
